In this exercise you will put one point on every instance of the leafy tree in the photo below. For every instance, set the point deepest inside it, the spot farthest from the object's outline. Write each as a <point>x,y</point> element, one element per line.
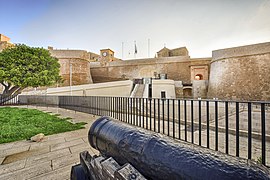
<point>22,66</point>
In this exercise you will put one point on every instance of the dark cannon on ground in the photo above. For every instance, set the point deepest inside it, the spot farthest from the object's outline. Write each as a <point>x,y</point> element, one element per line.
<point>129,152</point>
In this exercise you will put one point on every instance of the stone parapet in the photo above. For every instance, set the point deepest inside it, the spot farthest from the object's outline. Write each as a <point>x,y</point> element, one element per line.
<point>248,50</point>
<point>70,54</point>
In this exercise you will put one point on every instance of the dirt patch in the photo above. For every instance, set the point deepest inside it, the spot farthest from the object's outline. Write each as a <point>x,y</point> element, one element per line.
<point>22,155</point>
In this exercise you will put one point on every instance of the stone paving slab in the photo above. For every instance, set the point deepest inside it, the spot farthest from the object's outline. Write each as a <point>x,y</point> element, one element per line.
<point>47,157</point>
<point>26,154</point>
<point>12,166</point>
<point>50,159</point>
<point>14,150</point>
<point>47,143</point>
<point>28,172</point>
<point>59,174</point>
<point>66,144</point>
<point>61,162</point>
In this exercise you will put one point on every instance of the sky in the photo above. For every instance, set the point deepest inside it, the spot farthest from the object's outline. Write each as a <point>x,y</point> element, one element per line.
<point>201,26</point>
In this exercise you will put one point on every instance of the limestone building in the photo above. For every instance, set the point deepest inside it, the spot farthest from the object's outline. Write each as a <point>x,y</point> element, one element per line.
<point>165,52</point>
<point>4,42</point>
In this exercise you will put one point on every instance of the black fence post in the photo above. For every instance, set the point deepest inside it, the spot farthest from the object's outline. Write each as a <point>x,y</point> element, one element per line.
<point>132,110</point>
<point>185,114</point>
<point>168,114</point>
<point>146,113</point>
<point>143,112</point>
<point>173,118</point>
<point>150,111</point>
<point>163,116</point>
<point>154,115</point>
<point>192,121</point>
<point>128,109</point>
<point>158,115</point>
<point>140,112</point>
<point>249,131</point>
<point>200,123</point>
<point>263,132</point>
<point>207,124</point>
<point>226,128</point>
<point>137,113</point>
<point>237,128</point>
<point>216,125</point>
<point>179,119</point>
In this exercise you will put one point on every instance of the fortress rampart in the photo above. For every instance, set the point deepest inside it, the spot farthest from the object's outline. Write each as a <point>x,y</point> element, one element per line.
<point>177,68</point>
<point>78,60</point>
<point>238,73</point>
<point>241,73</point>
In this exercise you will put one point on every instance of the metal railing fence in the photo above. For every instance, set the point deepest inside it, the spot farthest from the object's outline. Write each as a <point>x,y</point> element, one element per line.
<point>238,128</point>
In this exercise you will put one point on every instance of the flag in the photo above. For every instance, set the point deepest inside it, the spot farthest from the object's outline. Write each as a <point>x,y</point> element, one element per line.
<point>135,49</point>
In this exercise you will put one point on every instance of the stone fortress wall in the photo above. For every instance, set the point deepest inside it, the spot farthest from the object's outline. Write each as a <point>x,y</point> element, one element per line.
<point>176,68</point>
<point>241,73</point>
<point>75,62</point>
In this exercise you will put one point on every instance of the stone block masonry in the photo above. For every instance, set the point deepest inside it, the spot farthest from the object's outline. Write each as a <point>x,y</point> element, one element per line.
<point>75,65</point>
<point>241,73</point>
<point>176,68</point>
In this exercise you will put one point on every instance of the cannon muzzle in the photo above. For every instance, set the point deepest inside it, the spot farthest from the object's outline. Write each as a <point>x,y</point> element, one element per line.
<point>160,157</point>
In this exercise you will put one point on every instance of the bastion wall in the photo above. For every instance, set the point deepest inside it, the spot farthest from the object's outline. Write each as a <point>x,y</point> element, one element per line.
<point>241,73</point>
<point>176,68</point>
<point>78,62</point>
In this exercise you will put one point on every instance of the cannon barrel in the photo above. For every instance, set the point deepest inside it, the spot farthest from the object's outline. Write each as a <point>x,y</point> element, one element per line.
<point>160,157</point>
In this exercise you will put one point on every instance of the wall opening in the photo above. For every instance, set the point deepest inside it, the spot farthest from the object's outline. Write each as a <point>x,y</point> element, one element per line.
<point>187,92</point>
<point>199,77</point>
<point>163,94</point>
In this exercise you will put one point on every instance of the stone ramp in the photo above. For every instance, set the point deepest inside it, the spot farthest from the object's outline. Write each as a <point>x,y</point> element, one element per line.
<point>138,91</point>
<point>50,159</point>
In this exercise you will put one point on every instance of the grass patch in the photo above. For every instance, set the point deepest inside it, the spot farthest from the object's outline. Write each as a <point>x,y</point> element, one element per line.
<point>20,123</point>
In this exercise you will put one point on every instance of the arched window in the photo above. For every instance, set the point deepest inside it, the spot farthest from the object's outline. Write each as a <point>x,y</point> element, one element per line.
<point>199,77</point>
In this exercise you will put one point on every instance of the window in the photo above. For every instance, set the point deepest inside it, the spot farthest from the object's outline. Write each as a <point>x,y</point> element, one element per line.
<point>163,94</point>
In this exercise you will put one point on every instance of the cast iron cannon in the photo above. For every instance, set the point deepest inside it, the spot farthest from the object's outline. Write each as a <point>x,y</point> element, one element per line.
<point>159,157</point>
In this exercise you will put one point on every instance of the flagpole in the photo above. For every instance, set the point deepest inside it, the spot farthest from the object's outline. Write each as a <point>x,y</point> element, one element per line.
<point>122,50</point>
<point>148,48</point>
<point>135,52</point>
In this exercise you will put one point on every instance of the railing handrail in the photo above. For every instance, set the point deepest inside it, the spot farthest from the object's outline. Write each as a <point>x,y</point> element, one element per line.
<point>172,116</point>
<point>187,99</point>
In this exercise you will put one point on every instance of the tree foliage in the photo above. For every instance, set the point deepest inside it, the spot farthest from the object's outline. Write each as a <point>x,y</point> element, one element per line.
<point>22,66</point>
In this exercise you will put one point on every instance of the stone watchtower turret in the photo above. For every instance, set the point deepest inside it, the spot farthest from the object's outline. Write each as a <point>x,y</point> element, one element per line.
<point>106,55</point>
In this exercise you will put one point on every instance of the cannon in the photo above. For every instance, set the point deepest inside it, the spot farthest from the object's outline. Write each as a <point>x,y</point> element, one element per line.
<point>154,156</point>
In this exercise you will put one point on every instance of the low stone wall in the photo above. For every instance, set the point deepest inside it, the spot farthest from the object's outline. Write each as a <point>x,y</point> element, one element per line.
<point>39,100</point>
<point>167,86</point>
<point>118,88</point>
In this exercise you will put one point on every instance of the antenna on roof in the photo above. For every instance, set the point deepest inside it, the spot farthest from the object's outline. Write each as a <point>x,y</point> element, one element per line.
<point>164,44</point>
